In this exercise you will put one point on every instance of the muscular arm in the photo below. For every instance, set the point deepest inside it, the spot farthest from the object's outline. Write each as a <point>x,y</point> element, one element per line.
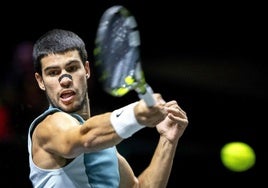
<point>158,172</point>
<point>61,136</point>
<point>156,175</point>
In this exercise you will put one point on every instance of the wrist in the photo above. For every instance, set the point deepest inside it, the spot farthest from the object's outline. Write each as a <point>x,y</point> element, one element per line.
<point>124,121</point>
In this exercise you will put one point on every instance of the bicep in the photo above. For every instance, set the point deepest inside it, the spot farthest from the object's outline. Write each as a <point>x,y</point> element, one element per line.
<point>58,134</point>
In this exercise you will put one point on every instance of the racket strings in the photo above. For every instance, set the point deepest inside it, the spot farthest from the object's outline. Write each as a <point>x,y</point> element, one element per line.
<point>121,48</point>
<point>117,52</point>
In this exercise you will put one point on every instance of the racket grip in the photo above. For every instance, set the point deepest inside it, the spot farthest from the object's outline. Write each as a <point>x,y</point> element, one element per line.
<point>148,96</point>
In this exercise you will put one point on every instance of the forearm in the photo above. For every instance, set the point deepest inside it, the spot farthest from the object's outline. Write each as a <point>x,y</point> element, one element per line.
<point>98,133</point>
<point>109,129</point>
<point>156,175</point>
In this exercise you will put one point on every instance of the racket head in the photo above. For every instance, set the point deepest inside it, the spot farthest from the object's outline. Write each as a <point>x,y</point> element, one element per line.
<point>117,53</point>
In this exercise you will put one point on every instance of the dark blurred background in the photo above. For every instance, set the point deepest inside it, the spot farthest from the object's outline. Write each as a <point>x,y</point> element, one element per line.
<point>205,56</point>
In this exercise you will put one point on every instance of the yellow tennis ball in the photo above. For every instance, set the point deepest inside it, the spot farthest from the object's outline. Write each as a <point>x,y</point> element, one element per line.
<point>238,156</point>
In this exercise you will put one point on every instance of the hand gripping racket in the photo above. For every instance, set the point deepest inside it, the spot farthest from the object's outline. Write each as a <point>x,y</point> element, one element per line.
<point>117,55</point>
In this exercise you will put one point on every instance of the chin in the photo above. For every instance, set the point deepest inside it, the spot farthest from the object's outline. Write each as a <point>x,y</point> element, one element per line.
<point>72,108</point>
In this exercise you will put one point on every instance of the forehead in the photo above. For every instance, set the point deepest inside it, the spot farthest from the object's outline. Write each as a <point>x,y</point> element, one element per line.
<point>60,59</point>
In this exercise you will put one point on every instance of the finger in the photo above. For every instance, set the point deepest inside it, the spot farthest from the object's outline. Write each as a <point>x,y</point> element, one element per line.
<point>175,109</point>
<point>182,122</point>
<point>171,103</point>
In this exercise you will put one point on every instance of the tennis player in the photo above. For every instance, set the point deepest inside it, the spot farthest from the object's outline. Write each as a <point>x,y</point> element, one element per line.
<point>70,148</point>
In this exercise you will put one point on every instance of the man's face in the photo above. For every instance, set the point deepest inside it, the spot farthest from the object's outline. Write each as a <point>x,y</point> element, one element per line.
<point>64,78</point>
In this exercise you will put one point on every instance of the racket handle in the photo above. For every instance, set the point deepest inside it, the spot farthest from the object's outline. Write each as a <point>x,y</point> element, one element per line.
<point>148,96</point>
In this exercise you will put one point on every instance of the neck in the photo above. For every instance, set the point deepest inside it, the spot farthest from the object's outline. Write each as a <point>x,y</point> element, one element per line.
<point>85,111</point>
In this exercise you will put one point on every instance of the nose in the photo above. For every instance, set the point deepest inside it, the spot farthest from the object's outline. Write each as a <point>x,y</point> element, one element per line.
<point>65,79</point>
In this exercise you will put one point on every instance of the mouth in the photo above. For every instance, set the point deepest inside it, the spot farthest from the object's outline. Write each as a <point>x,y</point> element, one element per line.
<point>67,96</point>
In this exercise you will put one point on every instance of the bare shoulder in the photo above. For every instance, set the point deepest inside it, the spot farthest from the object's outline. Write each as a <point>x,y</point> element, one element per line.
<point>55,123</point>
<point>50,147</point>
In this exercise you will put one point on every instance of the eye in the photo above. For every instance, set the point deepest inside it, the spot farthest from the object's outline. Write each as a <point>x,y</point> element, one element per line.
<point>72,68</point>
<point>53,72</point>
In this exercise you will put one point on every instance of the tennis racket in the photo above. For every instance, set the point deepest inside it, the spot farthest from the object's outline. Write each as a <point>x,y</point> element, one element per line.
<point>117,55</point>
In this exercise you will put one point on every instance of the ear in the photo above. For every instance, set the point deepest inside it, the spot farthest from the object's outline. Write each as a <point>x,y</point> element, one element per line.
<point>87,68</point>
<point>40,81</point>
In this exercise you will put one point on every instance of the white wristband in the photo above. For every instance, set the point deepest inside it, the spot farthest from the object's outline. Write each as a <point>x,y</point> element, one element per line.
<point>124,121</point>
